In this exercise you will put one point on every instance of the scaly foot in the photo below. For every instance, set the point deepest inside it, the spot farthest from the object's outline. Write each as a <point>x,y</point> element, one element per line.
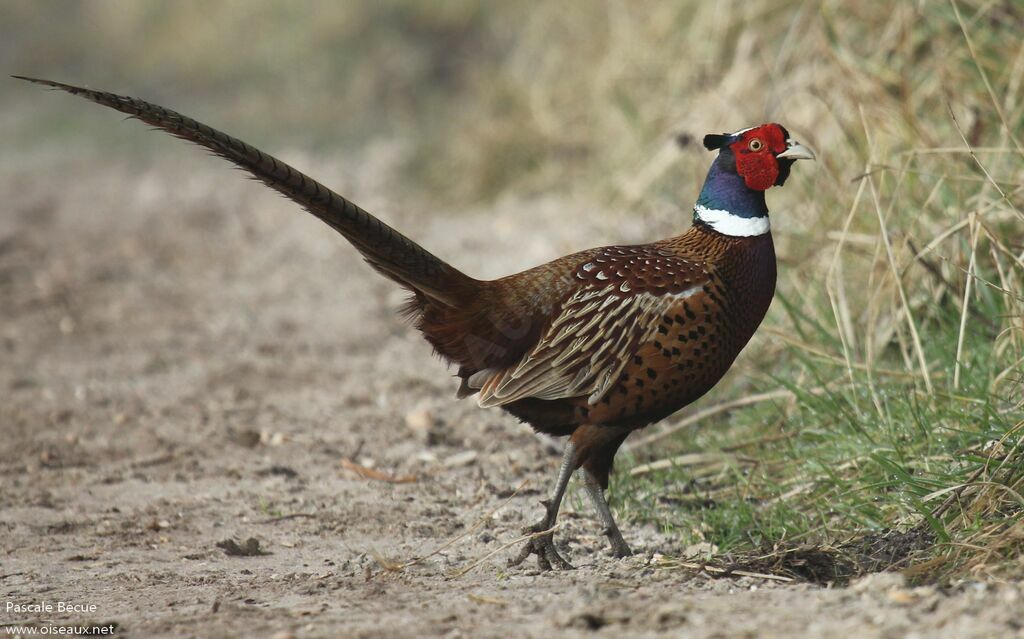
<point>542,545</point>
<point>619,546</point>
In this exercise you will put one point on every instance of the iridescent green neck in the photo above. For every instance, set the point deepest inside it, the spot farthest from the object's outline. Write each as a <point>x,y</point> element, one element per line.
<point>727,205</point>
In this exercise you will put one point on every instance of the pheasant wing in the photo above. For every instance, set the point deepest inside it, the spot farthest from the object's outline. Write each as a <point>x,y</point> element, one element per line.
<point>618,306</point>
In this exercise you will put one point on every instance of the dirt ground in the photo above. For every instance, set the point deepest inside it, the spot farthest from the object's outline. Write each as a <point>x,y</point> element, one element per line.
<point>188,359</point>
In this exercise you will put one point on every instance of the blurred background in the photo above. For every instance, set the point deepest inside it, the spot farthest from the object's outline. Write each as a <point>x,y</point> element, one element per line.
<point>890,366</point>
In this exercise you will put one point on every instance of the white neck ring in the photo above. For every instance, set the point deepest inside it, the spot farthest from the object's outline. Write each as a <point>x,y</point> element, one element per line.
<point>731,224</point>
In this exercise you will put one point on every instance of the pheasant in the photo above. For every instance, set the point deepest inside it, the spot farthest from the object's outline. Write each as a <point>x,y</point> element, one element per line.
<point>590,346</point>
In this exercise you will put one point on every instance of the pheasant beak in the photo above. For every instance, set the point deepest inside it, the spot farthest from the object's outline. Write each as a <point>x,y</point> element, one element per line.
<point>796,151</point>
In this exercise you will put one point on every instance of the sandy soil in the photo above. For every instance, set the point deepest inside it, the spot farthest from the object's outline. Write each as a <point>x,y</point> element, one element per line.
<point>187,359</point>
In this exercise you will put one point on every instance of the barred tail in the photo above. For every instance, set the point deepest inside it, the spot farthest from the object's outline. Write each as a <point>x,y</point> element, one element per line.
<point>387,250</point>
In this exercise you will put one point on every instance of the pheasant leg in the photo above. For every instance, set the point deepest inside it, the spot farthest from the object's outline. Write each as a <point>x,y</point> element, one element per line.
<point>619,546</point>
<point>543,545</point>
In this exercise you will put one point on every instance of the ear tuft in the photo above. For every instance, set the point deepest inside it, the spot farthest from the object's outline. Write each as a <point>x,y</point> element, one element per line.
<point>713,141</point>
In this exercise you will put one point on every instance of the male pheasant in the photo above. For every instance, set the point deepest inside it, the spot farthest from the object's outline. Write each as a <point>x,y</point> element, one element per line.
<point>591,346</point>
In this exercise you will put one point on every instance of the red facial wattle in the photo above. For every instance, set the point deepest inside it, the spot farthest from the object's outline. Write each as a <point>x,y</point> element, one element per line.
<point>755,155</point>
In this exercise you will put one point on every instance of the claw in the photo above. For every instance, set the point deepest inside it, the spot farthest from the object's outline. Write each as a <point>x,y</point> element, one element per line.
<point>543,546</point>
<point>547,557</point>
<point>619,546</point>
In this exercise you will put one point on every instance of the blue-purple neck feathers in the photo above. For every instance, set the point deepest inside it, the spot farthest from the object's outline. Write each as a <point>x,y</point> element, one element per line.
<point>725,190</point>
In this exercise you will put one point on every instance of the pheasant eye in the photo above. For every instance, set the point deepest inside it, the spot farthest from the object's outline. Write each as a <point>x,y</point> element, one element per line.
<point>755,145</point>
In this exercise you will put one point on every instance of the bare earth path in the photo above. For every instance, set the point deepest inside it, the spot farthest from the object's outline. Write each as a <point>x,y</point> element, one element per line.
<point>187,359</point>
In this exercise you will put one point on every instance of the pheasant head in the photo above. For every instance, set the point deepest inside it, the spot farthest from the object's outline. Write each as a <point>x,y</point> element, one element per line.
<point>749,162</point>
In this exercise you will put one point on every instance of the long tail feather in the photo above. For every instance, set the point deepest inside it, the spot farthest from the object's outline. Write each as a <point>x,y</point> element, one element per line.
<point>387,250</point>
